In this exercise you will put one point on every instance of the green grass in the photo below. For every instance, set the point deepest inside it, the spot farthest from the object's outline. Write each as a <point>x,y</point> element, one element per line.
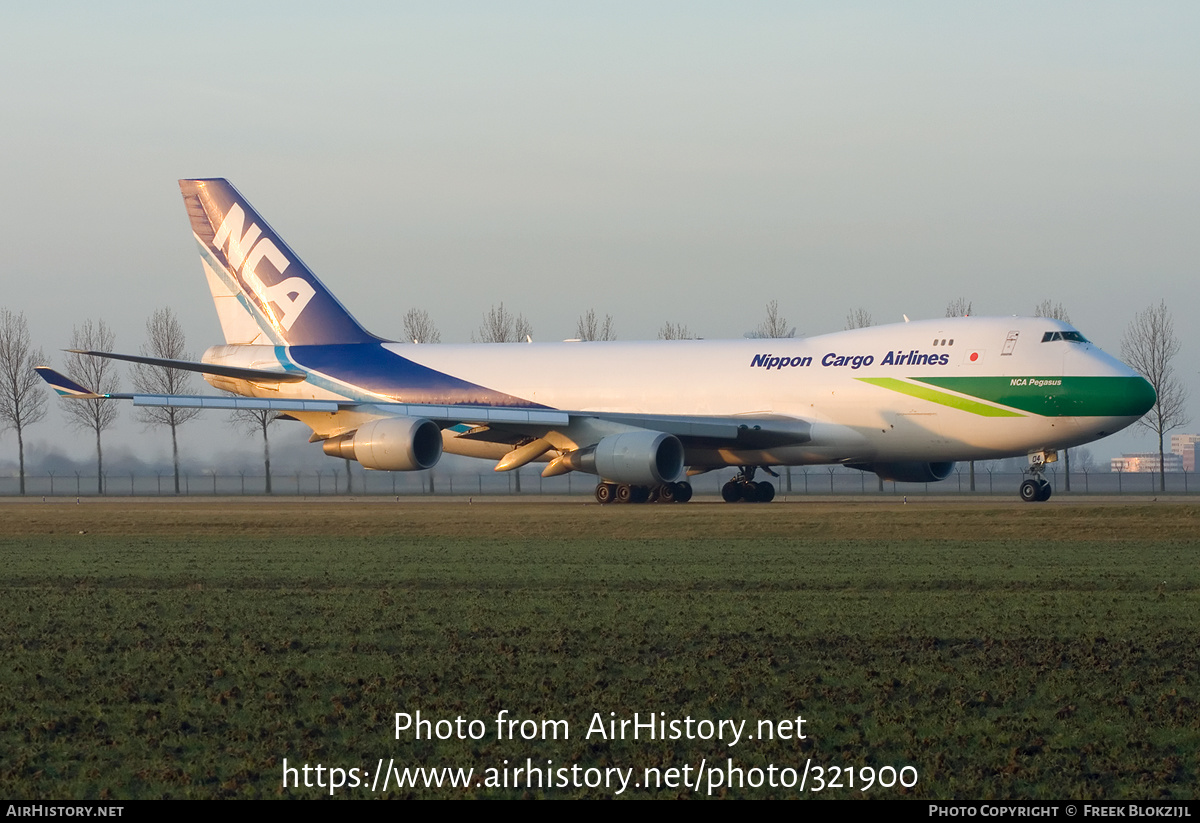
<point>192,665</point>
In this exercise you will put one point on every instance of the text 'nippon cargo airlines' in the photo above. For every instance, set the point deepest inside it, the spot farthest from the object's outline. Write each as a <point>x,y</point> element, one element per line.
<point>904,401</point>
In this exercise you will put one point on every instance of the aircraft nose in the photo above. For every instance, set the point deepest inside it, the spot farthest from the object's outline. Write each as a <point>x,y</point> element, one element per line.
<point>1141,395</point>
<point>1126,396</point>
<point>1103,386</point>
<point>1129,396</point>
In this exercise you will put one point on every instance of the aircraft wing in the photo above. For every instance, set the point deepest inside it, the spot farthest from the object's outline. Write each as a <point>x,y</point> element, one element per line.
<point>503,423</point>
<point>514,424</point>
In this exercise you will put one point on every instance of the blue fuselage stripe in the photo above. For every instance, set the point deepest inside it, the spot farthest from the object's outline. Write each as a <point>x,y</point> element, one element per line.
<point>374,369</point>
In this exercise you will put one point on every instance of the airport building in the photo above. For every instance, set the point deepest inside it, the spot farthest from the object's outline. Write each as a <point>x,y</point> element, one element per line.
<point>1185,445</point>
<point>1147,462</point>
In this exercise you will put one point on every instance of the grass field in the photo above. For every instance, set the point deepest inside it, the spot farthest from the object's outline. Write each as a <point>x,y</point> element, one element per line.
<point>1000,650</point>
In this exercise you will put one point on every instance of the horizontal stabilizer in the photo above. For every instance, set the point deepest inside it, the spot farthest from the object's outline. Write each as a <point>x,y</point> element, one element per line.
<point>256,375</point>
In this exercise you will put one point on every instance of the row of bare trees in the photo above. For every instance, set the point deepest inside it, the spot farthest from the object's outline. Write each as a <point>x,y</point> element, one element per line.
<point>23,394</point>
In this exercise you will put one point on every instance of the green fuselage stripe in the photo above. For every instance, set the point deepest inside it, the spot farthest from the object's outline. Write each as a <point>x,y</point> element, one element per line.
<point>941,398</point>
<point>1111,396</point>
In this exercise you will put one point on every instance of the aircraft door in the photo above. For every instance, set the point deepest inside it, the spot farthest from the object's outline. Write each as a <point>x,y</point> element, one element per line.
<point>913,430</point>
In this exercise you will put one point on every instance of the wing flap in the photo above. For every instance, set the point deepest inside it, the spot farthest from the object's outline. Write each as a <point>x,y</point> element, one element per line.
<point>186,401</point>
<point>471,414</point>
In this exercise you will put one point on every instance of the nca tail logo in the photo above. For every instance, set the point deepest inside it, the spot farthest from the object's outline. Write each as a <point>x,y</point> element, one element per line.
<point>246,252</point>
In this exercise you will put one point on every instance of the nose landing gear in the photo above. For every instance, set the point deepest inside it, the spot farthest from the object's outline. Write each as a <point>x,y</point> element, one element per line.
<point>1036,489</point>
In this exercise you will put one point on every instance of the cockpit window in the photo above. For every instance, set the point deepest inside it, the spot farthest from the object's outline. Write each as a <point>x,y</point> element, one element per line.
<point>1070,336</point>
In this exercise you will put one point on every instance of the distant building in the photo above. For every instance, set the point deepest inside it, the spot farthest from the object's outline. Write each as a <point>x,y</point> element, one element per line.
<point>1147,462</point>
<point>1185,445</point>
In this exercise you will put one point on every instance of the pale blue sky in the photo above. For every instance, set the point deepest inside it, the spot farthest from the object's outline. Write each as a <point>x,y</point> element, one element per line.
<point>657,161</point>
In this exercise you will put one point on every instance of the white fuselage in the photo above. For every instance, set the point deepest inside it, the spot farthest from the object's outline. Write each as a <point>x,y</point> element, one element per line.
<point>863,390</point>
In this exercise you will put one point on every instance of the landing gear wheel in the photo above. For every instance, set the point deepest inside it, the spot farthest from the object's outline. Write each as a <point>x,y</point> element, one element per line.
<point>639,494</point>
<point>666,493</point>
<point>624,493</point>
<point>743,487</point>
<point>683,491</point>
<point>1030,491</point>
<point>605,492</point>
<point>1044,490</point>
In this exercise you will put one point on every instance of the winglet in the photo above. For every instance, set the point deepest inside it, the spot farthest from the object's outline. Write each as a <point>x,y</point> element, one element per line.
<point>65,386</point>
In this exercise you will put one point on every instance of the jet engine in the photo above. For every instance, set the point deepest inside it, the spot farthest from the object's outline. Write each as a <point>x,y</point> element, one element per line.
<point>911,472</point>
<point>639,458</point>
<point>399,444</point>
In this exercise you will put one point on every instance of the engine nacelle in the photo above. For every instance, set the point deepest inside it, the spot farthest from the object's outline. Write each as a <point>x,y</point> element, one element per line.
<point>911,472</point>
<point>398,444</point>
<point>642,458</point>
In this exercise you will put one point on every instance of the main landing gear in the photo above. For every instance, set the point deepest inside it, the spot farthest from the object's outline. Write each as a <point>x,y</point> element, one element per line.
<point>1036,489</point>
<point>625,493</point>
<point>743,487</point>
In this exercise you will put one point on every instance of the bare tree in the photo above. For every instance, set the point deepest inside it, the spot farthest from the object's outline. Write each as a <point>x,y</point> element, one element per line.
<point>22,396</point>
<point>255,421</point>
<point>674,331</point>
<point>958,307</point>
<point>859,318</point>
<point>419,328</point>
<point>166,341</point>
<point>774,325</point>
<point>502,326</point>
<point>1149,346</point>
<point>523,330</point>
<point>1086,460</point>
<point>1054,311</point>
<point>97,374</point>
<point>590,328</point>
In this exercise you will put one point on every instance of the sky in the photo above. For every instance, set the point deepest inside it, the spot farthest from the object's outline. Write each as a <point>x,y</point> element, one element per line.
<point>682,162</point>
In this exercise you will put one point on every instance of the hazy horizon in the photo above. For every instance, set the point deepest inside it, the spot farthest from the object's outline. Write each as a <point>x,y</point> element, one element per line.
<point>665,162</point>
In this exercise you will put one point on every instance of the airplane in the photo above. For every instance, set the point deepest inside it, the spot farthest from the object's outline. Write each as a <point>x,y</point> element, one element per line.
<point>904,401</point>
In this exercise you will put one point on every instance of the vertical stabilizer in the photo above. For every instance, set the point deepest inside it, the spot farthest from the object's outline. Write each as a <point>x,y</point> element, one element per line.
<point>263,292</point>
